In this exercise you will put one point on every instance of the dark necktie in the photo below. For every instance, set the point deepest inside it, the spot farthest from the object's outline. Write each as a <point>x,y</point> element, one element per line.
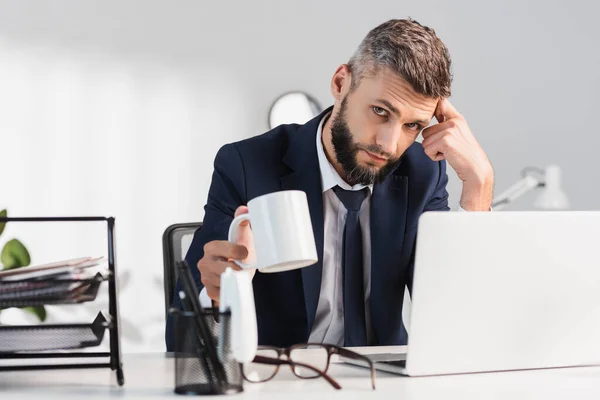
<point>355,330</point>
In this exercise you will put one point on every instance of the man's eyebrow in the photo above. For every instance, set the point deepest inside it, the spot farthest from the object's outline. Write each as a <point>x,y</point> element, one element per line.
<point>388,105</point>
<point>393,109</point>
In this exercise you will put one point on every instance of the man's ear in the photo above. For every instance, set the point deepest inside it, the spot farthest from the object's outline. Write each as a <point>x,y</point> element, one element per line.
<point>341,82</point>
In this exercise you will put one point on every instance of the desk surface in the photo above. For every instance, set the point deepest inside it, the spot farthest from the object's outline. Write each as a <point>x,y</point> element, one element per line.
<point>150,376</point>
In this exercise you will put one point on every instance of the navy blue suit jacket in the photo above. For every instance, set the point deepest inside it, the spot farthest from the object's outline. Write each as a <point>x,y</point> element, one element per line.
<point>286,158</point>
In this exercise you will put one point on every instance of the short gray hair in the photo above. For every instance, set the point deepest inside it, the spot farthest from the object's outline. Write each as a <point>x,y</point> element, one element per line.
<point>409,49</point>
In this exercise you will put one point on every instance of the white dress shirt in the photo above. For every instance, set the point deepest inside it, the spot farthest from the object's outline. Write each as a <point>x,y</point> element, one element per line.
<point>328,326</point>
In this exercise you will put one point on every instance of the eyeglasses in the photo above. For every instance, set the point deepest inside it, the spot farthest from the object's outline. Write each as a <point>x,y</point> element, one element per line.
<point>307,361</point>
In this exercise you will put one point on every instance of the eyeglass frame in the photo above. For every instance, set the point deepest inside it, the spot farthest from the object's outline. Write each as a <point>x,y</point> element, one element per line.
<point>287,351</point>
<point>279,361</point>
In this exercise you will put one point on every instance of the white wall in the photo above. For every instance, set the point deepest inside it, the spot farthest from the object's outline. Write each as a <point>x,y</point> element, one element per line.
<point>118,107</point>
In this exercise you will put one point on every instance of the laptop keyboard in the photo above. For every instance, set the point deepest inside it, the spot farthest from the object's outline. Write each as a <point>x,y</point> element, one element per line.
<point>387,357</point>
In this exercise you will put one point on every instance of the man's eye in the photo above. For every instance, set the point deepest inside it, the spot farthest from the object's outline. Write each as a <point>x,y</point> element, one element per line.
<point>379,111</point>
<point>413,126</point>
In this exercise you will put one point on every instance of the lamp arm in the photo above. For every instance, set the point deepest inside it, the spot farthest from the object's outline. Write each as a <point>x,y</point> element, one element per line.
<point>522,186</point>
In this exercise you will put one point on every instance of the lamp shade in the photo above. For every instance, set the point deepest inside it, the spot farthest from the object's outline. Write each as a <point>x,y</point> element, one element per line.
<point>552,196</point>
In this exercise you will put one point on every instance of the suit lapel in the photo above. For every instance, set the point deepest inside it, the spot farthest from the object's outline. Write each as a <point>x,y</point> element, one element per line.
<point>302,158</point>
<point>389,206</point>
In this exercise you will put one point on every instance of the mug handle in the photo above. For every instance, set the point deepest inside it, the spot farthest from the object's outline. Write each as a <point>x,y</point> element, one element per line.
<point>231,236</point>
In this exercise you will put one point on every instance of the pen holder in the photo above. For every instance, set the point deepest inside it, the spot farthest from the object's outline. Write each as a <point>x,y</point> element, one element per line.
<point>195,374</point>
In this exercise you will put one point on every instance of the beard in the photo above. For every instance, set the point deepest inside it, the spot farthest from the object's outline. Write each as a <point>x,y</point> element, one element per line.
<point>346,151</point>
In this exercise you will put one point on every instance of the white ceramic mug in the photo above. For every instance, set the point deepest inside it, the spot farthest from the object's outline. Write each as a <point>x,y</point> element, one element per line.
<point>282,231</point>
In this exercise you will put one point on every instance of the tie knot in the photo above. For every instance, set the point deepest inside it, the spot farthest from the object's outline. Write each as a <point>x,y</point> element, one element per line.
<point>351,199</point>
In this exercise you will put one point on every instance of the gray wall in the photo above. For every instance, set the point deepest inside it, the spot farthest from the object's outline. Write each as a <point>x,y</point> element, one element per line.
<point>526,72</point>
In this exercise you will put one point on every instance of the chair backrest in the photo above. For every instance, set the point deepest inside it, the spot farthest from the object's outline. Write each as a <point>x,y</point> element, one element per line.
<point>176,242</point>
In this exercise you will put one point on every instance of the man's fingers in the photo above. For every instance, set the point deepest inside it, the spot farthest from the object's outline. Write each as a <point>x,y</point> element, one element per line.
<point>220,266</point>
<point>438,113</point>
<point>432,138</point>
<point>237,252</point>
<point>240,210</point>
<point>446,125</point>
<point>436,155</point>
<point>431,152</point>
<point>432,130</point>
<point>210,279</point>
<point>437,149</point>
<point>213,292</point>
<point>446,110</point>
<point>225,249</point>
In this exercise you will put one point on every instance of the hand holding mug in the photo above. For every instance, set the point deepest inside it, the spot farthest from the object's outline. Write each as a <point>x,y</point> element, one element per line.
<point>273,234</point>
<point>219,254</point>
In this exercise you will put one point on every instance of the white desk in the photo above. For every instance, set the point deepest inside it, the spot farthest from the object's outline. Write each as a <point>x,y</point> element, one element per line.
<point>150,376</point>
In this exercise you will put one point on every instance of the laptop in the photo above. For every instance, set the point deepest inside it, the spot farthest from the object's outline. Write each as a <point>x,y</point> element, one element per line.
<point>502,291</point>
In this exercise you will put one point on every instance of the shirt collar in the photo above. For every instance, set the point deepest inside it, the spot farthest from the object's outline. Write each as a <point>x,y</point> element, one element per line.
<point>329,176</point>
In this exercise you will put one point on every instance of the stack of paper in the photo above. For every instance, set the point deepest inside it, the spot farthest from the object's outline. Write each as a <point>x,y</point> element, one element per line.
<point>63,281</point>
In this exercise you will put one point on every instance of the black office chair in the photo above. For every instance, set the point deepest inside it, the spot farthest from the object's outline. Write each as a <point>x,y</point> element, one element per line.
<point>176,242</point>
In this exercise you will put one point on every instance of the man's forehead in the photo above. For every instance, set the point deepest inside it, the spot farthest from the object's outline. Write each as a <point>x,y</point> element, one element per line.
<point>389,86</point>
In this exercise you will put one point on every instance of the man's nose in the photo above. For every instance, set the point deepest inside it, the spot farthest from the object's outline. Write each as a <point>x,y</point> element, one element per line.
<point>387,140</point>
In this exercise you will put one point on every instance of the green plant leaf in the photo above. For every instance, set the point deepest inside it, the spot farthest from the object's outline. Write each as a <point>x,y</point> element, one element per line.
<point>3,214</point>
<point>38,311</point>
<point>14,255</point>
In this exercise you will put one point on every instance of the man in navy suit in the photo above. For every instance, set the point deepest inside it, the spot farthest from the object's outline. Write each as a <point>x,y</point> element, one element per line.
<point>367,182</point>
